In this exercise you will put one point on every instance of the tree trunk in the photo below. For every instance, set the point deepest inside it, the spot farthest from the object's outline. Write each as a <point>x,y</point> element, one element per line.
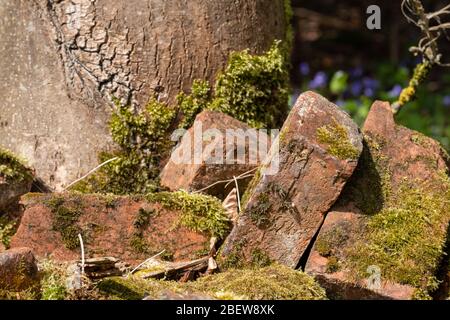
<point>63,61</point>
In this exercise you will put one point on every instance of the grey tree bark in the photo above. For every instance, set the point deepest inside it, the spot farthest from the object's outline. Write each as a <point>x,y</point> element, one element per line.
<point>63,61</point>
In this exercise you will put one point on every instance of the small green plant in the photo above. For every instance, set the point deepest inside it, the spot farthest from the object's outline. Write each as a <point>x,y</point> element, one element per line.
<point>53,283</point>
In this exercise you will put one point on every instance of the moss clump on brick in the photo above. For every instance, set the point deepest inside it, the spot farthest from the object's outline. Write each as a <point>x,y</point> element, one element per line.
<point>200,213</point>
<point>407,237</point>
<point>252,88</point>
<point>143,141</point>
<point>234,259</point>
<point>275,282</point>
<point>402,230</point>
<point>327,242</point>
<point>8,227</point>
<point>13,169</point>
<point>269,283</point>
<point>336,137</point>
<point>66,212</point>
<point>194,103</point>
<point>140,224</point>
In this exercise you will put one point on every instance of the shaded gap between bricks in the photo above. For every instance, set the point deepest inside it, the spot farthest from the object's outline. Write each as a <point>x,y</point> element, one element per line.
<point>305,256</point>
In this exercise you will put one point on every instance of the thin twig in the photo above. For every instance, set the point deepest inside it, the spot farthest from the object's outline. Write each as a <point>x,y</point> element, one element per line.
<point>241,176</point>
<point>83,261</point>
<point>91,172</point>
<point>140,265</point>
<point>237,194</point>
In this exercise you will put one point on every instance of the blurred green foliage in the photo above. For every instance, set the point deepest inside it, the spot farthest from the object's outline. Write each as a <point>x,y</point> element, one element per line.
<point>356,89</point>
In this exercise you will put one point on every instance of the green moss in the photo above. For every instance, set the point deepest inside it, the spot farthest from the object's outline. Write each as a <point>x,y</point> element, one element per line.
<point>193,104</point>
<point>395,241</point>
<point>200,213</point>
<point>8,228</point>
<point>135,288</point>
<point>260,259</point>
<point>336,138</point>
<point>12,168</point>
<point>332,265</point>
<point>66,211</point>
<point>141,223</point>
<point>259,212</point>
<point>329,240</point>
<point>250,188</point>
<point>254,89</point>
<point>234,259</point>
<point>143,141</point>
<point>420,139</point>
<point>275,282</point>
<point>53,282</point>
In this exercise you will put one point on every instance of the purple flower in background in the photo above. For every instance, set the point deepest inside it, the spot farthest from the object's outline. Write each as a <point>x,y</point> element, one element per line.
<point>340,103</point>
<point>446,101</point>
<point>395,91</point>
<point>320,80</point>
<point>369,92</point>
<point>356,72</point>
<point>370,83</point>
<point>304,68</point>
<point>356,88</point>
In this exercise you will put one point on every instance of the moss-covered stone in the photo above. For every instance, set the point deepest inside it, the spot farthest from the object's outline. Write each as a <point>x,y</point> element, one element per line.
<point>397,220</point>
<point>12,168</point>
<point>200,213</point>
<point>394,239</point>
<point>336,138</point>
<point>8,227</point>
<point>273,282</point>
<point>66,211</point>
<point>138,242</point>
<point>259,212</point>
